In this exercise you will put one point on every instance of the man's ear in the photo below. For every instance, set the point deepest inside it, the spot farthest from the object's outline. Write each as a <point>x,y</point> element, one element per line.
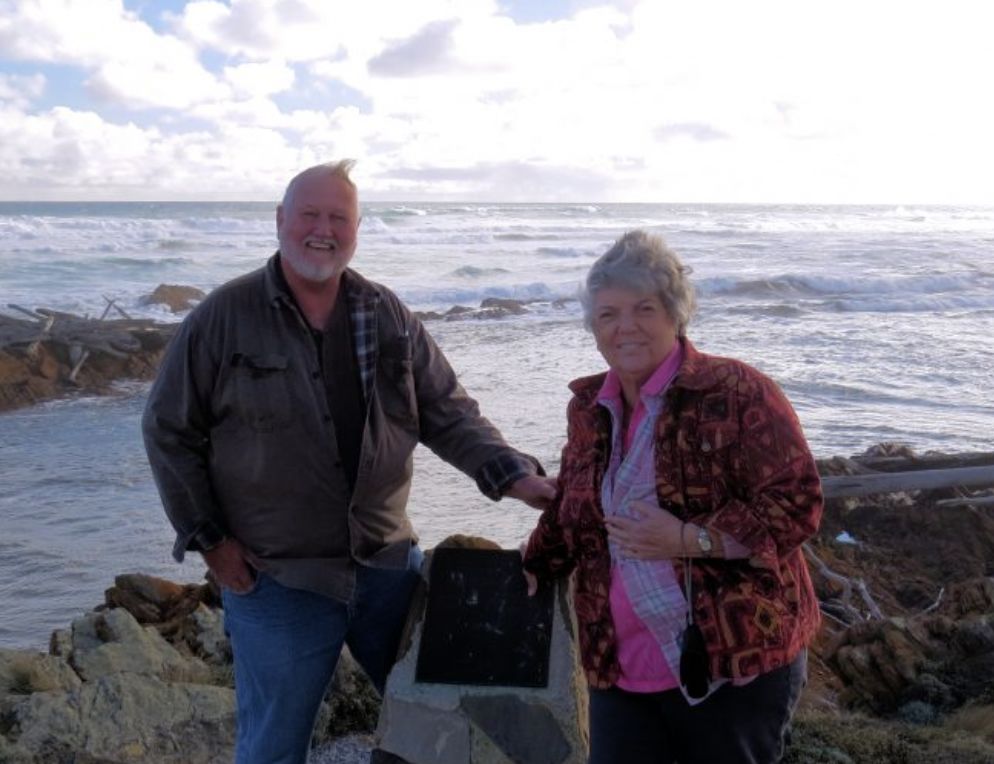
<point>279,215</point>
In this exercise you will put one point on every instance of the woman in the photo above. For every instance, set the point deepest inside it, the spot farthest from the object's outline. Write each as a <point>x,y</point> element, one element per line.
<point>685,478</point>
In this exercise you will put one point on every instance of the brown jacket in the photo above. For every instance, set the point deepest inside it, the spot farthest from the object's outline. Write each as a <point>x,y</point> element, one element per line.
<point>241,442</point>
<point>730,455</point>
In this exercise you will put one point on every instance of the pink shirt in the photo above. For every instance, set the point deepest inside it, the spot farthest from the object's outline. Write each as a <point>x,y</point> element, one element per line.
<point>643,664</point>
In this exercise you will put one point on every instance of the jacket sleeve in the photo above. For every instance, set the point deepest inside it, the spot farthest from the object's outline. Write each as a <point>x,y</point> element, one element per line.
<point>550,550</point>
<point>777,500</point>
<point>451,425</point>
<point>547,553</point>
<point>175,428</point>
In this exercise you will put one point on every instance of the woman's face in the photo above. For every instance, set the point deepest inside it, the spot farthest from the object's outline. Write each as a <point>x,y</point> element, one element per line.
<point>633,331</point>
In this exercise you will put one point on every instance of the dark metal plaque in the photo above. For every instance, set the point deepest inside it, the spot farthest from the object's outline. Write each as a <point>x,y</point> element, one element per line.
<point>480,625</point>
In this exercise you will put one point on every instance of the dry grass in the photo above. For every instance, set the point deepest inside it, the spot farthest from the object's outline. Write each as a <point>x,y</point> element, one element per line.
<point>843,738</point>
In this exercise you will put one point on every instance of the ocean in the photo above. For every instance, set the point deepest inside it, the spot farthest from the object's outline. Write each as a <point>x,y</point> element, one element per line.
<point>876,321</point>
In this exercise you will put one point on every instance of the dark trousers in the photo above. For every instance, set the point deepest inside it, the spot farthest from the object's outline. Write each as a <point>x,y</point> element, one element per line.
<point>736,725</point>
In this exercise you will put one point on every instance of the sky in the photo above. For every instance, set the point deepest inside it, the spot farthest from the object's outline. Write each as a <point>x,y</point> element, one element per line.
<point>806,101</point>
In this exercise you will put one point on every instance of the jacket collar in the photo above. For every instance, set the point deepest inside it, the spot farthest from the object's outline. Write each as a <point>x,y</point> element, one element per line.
<point>696,373</point>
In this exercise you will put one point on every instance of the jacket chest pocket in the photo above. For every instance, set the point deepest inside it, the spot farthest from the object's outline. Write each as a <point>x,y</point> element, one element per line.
<point>262,390</point>
<point>395,383</point>
<point>710,465</point>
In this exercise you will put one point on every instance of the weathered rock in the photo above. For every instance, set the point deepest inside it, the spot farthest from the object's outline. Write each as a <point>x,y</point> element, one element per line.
<point>155,600</point>
<point>351,704</point>
<point>22,673</point>
<point>60,643</point>
<point>210,641</point>
<point>174,296</point>
<point>508,306</point>
<point>113,642</point>
<point>930,658</point>
<point>124,718</point>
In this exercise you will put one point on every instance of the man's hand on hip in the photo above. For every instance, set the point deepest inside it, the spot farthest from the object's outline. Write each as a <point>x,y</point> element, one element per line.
<point>230,567</point>
<point>534,490</point>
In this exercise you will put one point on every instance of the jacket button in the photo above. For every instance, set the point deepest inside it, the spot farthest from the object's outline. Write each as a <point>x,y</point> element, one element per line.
<point>327,417</point>
<point>705,446</point>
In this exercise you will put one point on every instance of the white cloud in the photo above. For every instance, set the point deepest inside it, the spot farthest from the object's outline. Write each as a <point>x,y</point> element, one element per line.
<point>260,79</point>
<point>299,30</point>
<point>651,100</point>
<point>129,63</point>
<point>20,90</point>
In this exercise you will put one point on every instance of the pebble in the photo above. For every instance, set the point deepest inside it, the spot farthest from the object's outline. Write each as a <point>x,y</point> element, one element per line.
<point>349,749</point>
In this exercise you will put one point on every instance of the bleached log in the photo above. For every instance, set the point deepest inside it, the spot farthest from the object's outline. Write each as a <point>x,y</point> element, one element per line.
<point>928,461</point>
<point>892,482</point>
<point>25,311</point>
<point>967,501</point>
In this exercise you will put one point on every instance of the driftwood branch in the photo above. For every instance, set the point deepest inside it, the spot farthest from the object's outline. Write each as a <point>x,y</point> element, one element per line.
<point>25,311</point>
<point>113,304</point>
<point>868,600</point>
<point>841,608</point>
<point>935,604</point>
<point>865,485</point>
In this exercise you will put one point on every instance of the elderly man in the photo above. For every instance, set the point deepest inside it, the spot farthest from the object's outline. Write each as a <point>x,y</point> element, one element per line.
<point>280,432</point>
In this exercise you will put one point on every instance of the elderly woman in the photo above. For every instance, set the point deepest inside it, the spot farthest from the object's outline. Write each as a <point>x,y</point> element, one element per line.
<point>685,493</point>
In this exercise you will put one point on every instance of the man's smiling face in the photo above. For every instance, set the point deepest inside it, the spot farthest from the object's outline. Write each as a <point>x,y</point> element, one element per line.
<point>318,227</point>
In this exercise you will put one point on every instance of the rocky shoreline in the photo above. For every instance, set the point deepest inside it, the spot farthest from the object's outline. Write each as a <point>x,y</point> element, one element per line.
<point>902,671</point>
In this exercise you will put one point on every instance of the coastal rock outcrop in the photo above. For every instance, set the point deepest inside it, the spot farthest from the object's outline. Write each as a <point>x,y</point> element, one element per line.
<point>54,354</point>
<point>176,297</point>
<point>146,677</point>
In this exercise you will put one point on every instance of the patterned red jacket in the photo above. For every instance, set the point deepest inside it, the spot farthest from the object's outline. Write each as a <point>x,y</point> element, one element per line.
<point>730,455</point>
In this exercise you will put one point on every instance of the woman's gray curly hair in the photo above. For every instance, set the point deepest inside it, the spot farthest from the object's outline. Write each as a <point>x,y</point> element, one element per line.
<point>642,262</point>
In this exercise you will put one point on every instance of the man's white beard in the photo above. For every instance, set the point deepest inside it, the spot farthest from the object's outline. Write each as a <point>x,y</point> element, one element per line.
<point>309,270</point>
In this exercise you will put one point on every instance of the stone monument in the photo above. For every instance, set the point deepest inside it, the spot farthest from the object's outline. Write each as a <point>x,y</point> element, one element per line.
<point>487,675</point>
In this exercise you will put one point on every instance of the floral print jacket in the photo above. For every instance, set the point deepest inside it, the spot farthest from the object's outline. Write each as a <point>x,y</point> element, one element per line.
<point>730,455</point>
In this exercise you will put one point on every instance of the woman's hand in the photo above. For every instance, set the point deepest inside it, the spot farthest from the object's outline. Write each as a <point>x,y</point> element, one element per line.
<point>654,534</point>
<point>531,580</point>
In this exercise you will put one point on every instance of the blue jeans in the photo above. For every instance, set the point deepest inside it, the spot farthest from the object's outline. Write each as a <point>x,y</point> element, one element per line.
<point>286,643</point>
<point>736,725</point>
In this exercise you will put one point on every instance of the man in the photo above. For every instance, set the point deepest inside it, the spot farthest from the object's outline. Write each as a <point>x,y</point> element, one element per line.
<point>280,431</point>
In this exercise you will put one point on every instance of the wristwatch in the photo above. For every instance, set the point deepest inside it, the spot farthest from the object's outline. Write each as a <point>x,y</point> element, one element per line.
<point>704,541</point>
